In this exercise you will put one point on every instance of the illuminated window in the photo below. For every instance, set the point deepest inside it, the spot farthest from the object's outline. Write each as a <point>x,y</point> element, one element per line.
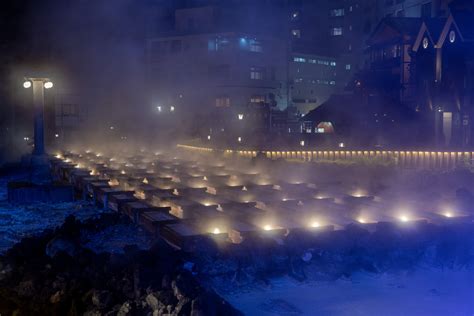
<point>256,73</point>
<point>256,46</point>
<point>223,101</point>
<point>332,83</point>
<point>296,33</point>
<point>333,63</point>
<point>336,31</point>
<point>348,67</point>
<point>337,12</point>
<point>299,59</point>
<point>312,61</point>
<point>257,98</point>
<point>298,79</point>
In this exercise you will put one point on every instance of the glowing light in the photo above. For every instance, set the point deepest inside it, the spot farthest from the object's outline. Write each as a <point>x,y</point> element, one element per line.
<point>209,137</point>
<point>158,108</point>
<point>448,214</point>
<point>172,108</point>
<point>145,181</point>
<point>216,231</point>
<point>112,128</point>
<point>240,116</point>
<point>315,224</point>
<point>361,220</point>
<point>404,218</point>
<point>341,145</point>
<point>56,135</point>
<point>302,143</point>
<point>267,227</point>
<point>59,156</point>
<point>48,85</point>
<point>27,84</point>
<point>122,172</point>
<point>239,139</point>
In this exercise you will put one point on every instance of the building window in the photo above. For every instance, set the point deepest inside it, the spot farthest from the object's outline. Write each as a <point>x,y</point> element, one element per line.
<point>256,73</point>
<point>256,46</point>
<point>299,59</point>
<point>348,67</point>
<point>298,80</point>
<point>223,101</point>
<point>333,63</point>
<point>336,31</point>
<point>257,99</point>
<point>296,33</point>
<point>337,12</point>
<point>332,83</point>
<point>312,61</point>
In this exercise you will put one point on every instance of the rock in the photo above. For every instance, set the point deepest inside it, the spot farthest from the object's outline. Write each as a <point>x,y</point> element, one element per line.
<point>152,301</point>
<point>26,288</point>
<point>59,244</point>
<point>56,297</point>
<point>124,309</point>
<point>101,299</point>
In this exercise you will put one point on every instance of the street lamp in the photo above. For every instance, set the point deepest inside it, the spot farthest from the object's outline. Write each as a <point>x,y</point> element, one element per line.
<point>38,84</point>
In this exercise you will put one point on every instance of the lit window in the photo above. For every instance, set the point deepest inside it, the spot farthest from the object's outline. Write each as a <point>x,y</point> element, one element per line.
<point>257,99</point>
<point>298,79</point>
<point>323,62</point>
<point>333,63</point>
<point>336,31</point>
<point>223,101</point>
<point>256,46</point>
<point>299,59</point>
<point>256,73</point>
<point>348,67</point>
<point>332,83</point>
<point>312,61</point>
<point>296,33</point>
<point>337,12</point>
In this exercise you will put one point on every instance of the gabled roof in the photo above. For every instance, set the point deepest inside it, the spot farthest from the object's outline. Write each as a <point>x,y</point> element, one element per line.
<point>431,28</point>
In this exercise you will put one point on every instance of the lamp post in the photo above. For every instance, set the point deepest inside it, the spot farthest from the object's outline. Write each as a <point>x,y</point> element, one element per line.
<point>39,159</point>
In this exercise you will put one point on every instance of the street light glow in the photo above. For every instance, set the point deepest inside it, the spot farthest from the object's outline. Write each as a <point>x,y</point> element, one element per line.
<point>48,85</point>
<point>27,84</point>
<point>241,117</point>
<point>172,108</point>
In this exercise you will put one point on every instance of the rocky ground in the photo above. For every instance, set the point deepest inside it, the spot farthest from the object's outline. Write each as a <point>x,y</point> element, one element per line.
<point>55,274</point>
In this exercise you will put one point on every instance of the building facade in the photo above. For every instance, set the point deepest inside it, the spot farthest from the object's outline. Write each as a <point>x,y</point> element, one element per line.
<point>313,79</point>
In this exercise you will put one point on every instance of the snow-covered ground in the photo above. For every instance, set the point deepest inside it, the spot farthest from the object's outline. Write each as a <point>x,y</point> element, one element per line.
<point>17,222</point>
<point>422,292</point>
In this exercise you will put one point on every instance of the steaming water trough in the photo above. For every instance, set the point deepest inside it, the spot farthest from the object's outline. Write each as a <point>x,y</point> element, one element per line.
<point>187,200</point>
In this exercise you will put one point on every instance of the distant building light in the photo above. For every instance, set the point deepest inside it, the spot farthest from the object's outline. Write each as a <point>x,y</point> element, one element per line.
<point>56,135</point>
<point>348,67</point>
<point>172,108</point>
<point>112,128</point>
<point>239,139</point>
<point>333,63</point>
<point>336,31</point>
<point>48,85</point>
<point>240,116</point>
<point>296,33</point>
<point>158,108</point>
<point>299,59</point>
<point>342,145</point>
<point>302,143</point>
<point>208,137</point>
